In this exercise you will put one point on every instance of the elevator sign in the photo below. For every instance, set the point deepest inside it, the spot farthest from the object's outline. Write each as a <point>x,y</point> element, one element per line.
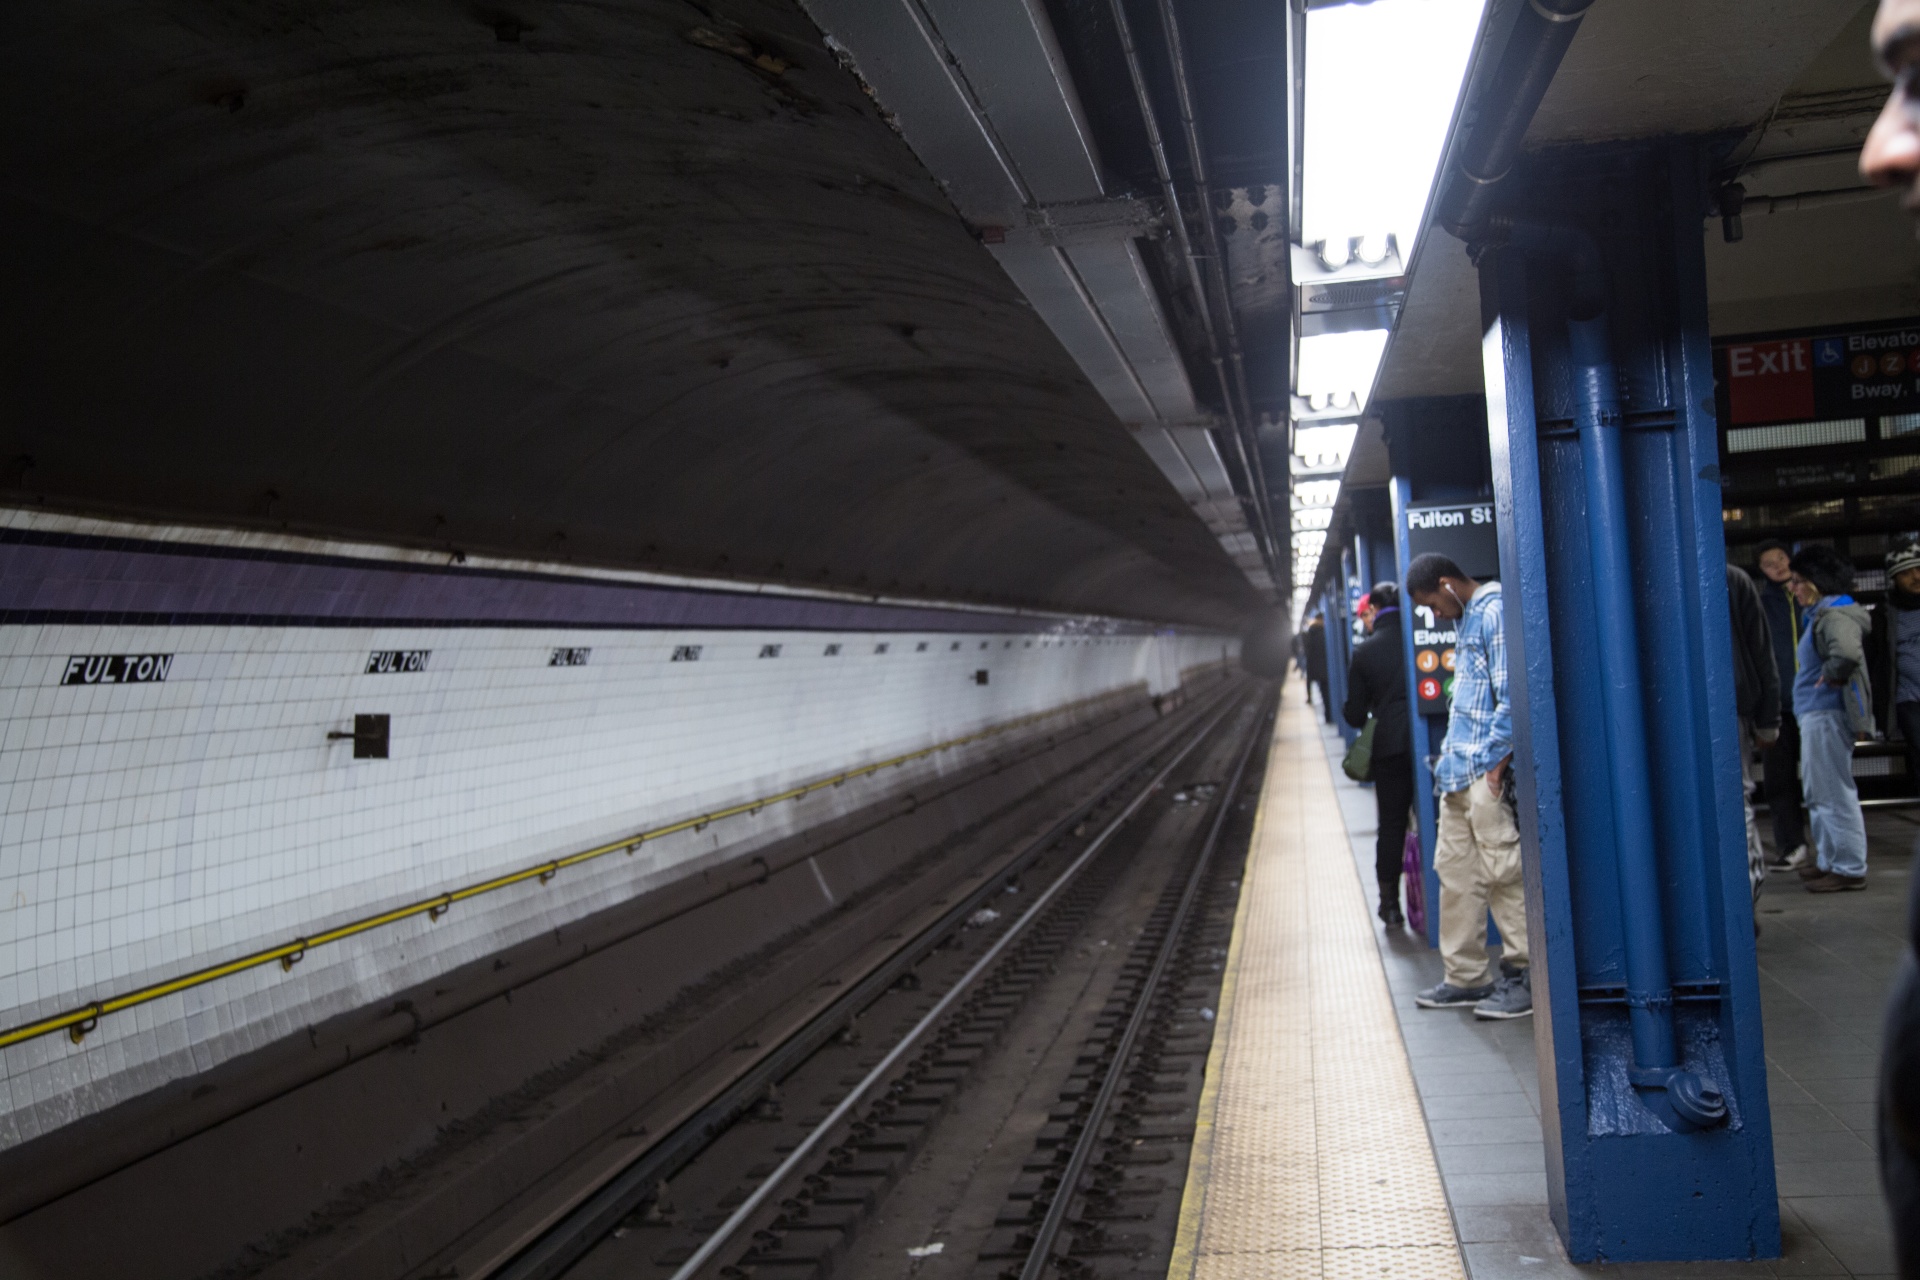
<point>1825,374</point>
<point>1463,533</point>
<point>1434,639</point>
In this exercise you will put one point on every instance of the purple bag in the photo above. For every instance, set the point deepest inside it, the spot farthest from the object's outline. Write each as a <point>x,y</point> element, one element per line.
<point>1413,877</point>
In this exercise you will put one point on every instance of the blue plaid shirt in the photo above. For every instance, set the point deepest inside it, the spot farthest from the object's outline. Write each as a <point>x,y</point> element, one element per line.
<point>1480,723</point>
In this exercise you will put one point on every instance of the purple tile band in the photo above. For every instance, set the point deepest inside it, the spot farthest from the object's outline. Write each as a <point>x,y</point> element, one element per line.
<point>71,578</point>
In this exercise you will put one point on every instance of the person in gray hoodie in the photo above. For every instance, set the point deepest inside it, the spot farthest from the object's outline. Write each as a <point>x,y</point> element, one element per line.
<point>1832,655</point>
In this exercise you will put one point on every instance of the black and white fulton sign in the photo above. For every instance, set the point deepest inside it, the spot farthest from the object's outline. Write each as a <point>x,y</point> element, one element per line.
<point>569,657</point>
<point>391,661</point>
<point>117,668</point>
<point>1462,532</point>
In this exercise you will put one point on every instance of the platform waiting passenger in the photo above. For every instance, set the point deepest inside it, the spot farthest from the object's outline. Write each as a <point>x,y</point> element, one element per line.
<point>1834,704</point>
<point>1756,700</point>
<point>1377,687</point>
<point>1477,854</point>
<point>1903,603</point>
<point>1781,761</point>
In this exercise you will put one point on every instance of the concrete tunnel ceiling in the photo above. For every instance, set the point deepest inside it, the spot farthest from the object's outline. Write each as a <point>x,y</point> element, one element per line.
<point>649,287</point>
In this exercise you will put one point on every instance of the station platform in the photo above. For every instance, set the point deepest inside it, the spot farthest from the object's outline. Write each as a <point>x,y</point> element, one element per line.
<point>1344,1131</point>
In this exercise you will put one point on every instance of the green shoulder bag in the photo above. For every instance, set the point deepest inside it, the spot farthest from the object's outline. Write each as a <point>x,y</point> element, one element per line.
<point>1358,763</point>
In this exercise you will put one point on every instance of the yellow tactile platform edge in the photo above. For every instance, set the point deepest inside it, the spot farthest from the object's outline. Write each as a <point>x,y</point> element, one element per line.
<point>1310,1156</point>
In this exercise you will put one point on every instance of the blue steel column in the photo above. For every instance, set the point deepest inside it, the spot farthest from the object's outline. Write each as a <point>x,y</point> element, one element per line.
<point>1339,636</point>
<point>1605,475</point>
<point>1596,419</point>
<point>1425,807</point>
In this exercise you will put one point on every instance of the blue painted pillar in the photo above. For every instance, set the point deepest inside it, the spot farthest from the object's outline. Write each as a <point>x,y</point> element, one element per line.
<point>1340,617</point>
<point>1606,489</point>
<point>1339,638</point>
<point>1426,805</point>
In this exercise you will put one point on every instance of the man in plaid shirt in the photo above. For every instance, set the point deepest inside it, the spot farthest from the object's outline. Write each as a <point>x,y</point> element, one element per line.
<point>1477,856</point>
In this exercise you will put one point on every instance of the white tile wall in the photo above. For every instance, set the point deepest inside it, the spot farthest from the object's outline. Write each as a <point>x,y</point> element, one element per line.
<point>149,829</point>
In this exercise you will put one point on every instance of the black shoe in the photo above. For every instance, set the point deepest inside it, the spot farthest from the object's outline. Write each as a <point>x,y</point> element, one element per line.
<point>1389,914</point>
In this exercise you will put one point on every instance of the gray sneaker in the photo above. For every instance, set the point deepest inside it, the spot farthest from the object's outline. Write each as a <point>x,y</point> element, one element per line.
<point>1446,996</point>
<point>1512,998</point>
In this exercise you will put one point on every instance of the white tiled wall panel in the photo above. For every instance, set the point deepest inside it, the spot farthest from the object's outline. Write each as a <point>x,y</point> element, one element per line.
<point>150,829</point>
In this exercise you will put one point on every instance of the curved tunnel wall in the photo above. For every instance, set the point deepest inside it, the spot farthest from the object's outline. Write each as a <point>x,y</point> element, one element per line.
<point>631,288</point>
<point>172,798</point>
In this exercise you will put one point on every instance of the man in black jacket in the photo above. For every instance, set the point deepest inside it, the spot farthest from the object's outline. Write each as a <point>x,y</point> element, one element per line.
<point>1377,686</point>
<point>1756,699</point>
<point>1316,646</point>
<point>1781,758</point>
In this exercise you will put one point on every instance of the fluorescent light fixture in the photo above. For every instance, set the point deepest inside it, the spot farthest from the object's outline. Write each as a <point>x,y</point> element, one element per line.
<point>1325,448</point>
<point>1382,81</point>
<point>1312,518</point>
<point>1336,368</point>
<point>1317,493</point>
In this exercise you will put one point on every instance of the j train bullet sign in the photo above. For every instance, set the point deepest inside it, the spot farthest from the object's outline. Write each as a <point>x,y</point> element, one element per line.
<point>117,668</point>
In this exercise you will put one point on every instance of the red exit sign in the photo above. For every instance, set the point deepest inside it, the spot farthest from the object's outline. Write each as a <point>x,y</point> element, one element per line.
<point>1770,381</point>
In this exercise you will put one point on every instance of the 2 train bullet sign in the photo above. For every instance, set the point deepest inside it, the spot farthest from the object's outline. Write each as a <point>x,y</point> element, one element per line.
<point>117,668</point>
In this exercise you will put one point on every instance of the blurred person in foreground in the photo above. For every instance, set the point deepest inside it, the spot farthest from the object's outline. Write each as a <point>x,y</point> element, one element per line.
<point>1756,696</point>
<point>1477,853</point>
<point>1891,158</point>
<point>1377,687</point>
<point>1781,760</point>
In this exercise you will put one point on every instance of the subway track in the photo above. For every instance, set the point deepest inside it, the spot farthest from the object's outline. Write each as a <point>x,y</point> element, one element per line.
<point>1011,1094</point>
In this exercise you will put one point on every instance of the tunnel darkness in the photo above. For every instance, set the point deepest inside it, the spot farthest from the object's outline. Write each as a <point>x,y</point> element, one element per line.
<point>648,287</point>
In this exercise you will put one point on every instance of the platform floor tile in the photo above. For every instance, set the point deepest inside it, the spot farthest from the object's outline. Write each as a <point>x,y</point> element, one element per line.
<point>1822,958</point>
<point>1311,1155</point>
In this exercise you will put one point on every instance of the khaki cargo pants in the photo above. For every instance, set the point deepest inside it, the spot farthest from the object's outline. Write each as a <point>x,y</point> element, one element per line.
<point>1477,858</point>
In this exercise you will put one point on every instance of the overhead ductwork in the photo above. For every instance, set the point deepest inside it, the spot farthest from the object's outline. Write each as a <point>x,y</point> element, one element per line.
<point>1542,32</point>
<point>979,89</point>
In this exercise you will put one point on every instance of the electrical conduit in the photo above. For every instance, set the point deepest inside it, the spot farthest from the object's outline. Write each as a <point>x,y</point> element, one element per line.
<point>1656,1071</point>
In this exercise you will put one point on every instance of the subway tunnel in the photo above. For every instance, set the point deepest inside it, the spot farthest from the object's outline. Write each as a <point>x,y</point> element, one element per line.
<point>740,638</point>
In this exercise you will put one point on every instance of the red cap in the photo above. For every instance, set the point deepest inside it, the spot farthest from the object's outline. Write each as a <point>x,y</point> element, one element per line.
<point>1361,607</point>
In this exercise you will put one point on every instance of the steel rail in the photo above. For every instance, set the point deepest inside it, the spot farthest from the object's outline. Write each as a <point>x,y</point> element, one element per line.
<point>1041,1254</point>
<point>787,1167</point>
<point>601,1208</point>
<point>79,1022</point>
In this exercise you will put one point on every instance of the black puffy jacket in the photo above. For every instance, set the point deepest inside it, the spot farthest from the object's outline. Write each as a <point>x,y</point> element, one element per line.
<point>1377,683</point>
<point>1756,674</point>
<point>1900,1097</point>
